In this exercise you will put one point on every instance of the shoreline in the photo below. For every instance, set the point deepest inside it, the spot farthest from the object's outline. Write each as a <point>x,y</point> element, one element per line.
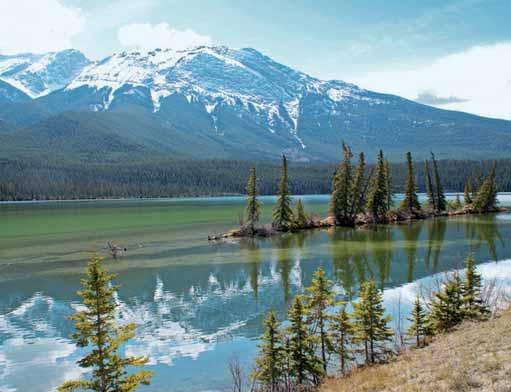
<point>362,221</point>
<point>184,198</point>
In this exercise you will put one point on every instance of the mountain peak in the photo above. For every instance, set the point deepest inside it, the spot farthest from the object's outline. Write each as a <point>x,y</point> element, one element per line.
<point>40,74</point>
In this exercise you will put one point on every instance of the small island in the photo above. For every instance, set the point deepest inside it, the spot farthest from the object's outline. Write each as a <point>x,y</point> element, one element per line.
<point>365,198</point>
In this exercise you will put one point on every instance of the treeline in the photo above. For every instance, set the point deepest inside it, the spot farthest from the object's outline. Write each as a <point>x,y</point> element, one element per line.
<point>322,331</point>
<point>35,180</point>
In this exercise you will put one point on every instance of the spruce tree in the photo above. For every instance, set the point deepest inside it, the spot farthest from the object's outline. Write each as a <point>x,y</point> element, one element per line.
<point>410,202</point>
<point>357,197</point>
<point>388,188</point>
<point>473,304</point>
<point>319,299</point>
<point>341,187</point>
<point>253,206</point>
<point>282,213</point>
<point>467,196</point>
<point>429,188</point>
<point>341,337</point>
<point>447,306</point>
<point>348,189</point>
<point>475,182</point>
<point>305,367</point>
<point>486,198</point>
<point>96,328</point>
<point>370,324</point>
<point>270,362</point>
<point>300,216</point>
<point>418,326</point>
<point>440,201</point>
<point>377,199</point>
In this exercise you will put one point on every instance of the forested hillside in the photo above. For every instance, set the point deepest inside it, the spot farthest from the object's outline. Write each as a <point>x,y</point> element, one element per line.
<point>28,180</point>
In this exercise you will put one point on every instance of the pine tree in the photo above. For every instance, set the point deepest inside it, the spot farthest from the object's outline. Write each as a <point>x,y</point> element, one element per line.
<point>282,213</point>
<point>377,200</point>
<point>305,366</point>
<point>253,206</point>
<point>410,202</point>
<point>486,198</point>
<point>440,201</point>
<point>467,197</point>
<point>341,187</point>
<point>473,304</point>
<point>301,219</point>
<point>388,188</point>
<point>447,306</point>
<point>269,364</point>
<point>370,325</point>
<point>357,197</point>
<point>96,328</point>
<point>348,189</point>
<point>418,326</point>
<point>429,188</point>
<point>341,337</point>
<point>475,182</point>
<point>319,298</point>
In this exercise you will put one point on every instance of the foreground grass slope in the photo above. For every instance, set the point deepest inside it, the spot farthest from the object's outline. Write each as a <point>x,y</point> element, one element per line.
<point>476,357</point>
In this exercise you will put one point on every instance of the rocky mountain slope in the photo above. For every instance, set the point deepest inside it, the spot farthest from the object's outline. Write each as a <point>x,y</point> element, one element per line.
<point>219,102</point>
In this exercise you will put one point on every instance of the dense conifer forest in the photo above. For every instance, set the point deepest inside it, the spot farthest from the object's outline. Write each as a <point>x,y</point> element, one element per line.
<point>28,180</point>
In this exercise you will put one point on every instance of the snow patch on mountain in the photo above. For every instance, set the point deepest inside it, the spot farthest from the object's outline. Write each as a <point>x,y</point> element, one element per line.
<point>40,74</point>
<point>241,82</point>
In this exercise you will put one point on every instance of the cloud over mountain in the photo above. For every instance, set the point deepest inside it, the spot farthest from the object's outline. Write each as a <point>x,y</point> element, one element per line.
<point>146,36</point>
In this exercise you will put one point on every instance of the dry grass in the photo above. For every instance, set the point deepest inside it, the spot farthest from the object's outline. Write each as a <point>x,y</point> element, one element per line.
<point>476,357</point>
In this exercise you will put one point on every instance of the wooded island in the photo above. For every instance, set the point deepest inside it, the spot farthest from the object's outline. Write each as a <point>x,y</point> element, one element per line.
<point>362,198</point>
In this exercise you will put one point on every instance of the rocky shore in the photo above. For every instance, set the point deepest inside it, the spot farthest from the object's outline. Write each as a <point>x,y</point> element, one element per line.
<point>363,220</point>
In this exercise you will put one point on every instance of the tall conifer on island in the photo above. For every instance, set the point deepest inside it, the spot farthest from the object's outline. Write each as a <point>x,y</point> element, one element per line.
<point>253,206</point>
<point>486,199</point>
<point>282,213</point>
<point>341,336</point>
<point>410,202</point>
<point>440,201</point>
<point>305,367</point>
<point>269,364</point>
<point>319,298</point>
<point>418,326</point>
<point>96,328</point>
<point>377,200</point>
<point>429,188</point>
<point>358,189</point>
<point>370,324</point>
<point>341,187</point>
<point>474,306</point>
<point>388,178</point>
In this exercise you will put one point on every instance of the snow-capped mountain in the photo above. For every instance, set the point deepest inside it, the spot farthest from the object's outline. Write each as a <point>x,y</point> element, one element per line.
<point>40,74</point>
<point>213,101</point>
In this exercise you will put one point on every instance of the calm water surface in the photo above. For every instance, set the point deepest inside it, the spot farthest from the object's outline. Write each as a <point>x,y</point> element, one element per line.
<point>198,303</point>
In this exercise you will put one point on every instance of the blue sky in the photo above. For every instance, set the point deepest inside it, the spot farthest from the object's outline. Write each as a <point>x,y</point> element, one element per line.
<point>387,45</point>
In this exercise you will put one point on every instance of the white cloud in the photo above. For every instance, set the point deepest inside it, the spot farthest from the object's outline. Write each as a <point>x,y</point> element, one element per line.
<point>37,26</point>
<point>145,36</point>
<point>480,76</point>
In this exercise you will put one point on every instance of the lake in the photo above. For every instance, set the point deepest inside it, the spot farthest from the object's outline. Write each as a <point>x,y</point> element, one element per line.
<point>198,303</point>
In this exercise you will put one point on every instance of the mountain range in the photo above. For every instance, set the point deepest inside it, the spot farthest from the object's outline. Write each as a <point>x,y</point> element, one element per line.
<point>215,102</point>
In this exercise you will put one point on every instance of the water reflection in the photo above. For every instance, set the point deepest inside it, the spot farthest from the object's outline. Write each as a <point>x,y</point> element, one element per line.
<point>192,317</point>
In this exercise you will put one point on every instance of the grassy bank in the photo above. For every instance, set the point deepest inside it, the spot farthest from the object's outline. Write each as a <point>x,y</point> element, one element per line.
<point>475,357</point>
